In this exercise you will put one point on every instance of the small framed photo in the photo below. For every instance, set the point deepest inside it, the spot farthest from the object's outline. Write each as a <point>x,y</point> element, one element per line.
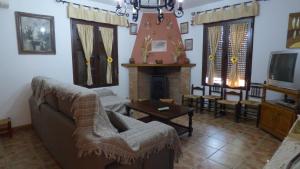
<point>35,33</point>
<point>133,29</point>
<point>159,46</point>
<point>188,43</point>
<point>184,28</point>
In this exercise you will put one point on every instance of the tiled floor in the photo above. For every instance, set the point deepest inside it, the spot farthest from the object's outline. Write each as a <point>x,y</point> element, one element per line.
<point>216,144</point>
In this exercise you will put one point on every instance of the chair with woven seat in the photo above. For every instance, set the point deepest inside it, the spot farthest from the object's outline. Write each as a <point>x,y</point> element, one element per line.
<point>222,105</point>
<point>214,93</point>
<point>193,100</point>
<point>252,103</point>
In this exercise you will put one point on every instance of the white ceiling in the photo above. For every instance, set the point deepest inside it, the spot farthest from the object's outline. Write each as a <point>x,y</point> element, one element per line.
<point>186,3</point>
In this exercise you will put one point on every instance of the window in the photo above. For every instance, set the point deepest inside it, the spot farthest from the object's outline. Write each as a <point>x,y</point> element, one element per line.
<point>224,60</point>
<point>98,60</point>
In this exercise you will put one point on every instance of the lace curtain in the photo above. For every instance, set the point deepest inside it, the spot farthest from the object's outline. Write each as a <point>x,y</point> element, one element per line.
<point>86,36</point>
<point>237,35</point>
<point>214,35</point>
<point>108,37</point>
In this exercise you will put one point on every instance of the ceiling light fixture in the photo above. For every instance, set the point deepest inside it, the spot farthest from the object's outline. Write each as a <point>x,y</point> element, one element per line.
<point>123,7</point>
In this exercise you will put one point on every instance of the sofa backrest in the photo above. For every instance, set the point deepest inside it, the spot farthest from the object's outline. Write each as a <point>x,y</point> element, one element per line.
<point>60,96</point>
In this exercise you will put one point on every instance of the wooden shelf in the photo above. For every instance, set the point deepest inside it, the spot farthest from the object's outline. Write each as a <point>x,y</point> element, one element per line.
<point>282,90</point>
<point>158,65</point>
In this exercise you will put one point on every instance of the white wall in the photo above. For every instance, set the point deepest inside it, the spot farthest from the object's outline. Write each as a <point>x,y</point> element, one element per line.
<point>270,34</point>
<point>16,71</point>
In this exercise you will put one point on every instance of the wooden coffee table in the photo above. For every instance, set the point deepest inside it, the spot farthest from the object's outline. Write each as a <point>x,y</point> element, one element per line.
<point>150,108</point>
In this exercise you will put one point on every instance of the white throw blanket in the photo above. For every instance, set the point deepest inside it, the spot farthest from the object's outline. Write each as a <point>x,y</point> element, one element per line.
<point>94,132</point>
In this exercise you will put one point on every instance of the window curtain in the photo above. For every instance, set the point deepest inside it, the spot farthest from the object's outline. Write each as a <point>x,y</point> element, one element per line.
<point>237,35</point>
<point>96,16</point>
<point>108,38</point>
<point>86,36</point>
<point>214,35</point>
<point>233,12</point>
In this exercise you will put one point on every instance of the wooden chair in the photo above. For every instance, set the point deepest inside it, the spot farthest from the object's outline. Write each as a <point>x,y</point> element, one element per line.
<point>222,104</point>
<point>214,93</point>
<point>252,104</point>
<point>193,100</point>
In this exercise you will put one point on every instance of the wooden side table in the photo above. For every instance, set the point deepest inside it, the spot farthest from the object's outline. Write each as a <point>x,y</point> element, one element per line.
<point>5,127</point>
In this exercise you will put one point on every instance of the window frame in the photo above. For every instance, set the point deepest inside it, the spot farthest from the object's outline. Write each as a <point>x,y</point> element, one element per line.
<point>102,62</point>
<point>225,47</point>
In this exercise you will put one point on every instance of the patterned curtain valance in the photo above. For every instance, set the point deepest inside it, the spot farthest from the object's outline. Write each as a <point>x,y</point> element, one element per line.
<point>96,16</point>
<point>232,12</point>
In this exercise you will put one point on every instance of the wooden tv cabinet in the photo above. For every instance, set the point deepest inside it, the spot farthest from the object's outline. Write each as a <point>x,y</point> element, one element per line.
<point>275,118</point>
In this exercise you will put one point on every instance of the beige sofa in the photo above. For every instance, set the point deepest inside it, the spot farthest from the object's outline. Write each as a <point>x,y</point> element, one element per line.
<point>55,126</point>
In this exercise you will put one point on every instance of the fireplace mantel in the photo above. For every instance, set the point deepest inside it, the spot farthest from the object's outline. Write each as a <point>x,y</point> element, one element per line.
<point>179,77</point>
<point>158,65</point>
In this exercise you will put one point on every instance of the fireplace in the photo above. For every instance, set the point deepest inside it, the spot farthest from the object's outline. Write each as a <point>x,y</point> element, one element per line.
<point>173,79</point>
<point>159,87</point>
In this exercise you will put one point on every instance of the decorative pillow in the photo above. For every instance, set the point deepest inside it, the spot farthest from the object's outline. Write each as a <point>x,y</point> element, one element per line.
<point>104,92</point>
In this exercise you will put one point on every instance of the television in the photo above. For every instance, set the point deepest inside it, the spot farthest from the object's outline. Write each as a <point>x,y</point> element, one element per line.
<point>284,70</point>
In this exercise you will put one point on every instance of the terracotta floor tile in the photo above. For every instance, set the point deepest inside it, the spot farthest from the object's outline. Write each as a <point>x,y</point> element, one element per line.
<point>217,143</point>
<point>229,160</point>
<point>209,164</point>
<point>201,150</point>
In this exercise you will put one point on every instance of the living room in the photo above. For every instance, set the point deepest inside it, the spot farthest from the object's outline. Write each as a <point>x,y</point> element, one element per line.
<point>150,54</point>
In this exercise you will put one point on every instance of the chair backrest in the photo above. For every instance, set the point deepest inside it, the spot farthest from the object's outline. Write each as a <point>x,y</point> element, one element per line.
<point>233,92</point>
<point>215,89</point>
<point>255,90</point>
<point>202,89</point>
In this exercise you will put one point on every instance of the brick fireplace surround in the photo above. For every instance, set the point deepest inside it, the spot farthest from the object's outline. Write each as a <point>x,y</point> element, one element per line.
<point>179,76</point>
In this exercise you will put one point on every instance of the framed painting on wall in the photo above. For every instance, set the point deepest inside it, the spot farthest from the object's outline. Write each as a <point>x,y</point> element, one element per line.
<point>133,29</point>
<point>159,46</point>
<point>293,37</point>
<point>35,33</point>
<point>188,43</point>
<point>184,28</point>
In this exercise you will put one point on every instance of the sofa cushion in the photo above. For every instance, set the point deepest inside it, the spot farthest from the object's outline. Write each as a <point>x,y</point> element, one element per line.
<point>102,125</point>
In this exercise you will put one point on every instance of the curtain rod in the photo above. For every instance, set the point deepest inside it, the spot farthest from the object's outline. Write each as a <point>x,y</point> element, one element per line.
<point>63,2</point>
<point>227,6</point>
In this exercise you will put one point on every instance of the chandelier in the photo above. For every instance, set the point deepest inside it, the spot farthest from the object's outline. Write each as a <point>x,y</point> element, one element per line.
<point>158,5</point>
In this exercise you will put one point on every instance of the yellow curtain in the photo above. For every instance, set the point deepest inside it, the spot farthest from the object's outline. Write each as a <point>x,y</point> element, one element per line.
<point>108,38</point>
<point>86,36</point>
<point>237,35</point>
<point>96,16</point>
<point>233,12</point>
<point>214,34</point>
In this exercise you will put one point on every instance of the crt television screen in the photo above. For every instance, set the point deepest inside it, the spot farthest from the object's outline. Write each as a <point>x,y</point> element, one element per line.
<point>282,67</point>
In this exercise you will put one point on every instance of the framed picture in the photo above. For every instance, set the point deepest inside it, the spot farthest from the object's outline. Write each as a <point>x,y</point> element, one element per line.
<point>159,46</point>
<point>184,28</point>
<point>293,37</point>
<point>188,43</point>
<point>133,29</point>
<point>35,33</point>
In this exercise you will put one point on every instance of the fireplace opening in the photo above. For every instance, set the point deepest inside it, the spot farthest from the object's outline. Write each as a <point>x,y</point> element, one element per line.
<point>159,87</point>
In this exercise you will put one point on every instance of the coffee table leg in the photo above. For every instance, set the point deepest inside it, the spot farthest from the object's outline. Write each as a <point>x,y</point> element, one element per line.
<point>191,113</point>
<point>128,111</point>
